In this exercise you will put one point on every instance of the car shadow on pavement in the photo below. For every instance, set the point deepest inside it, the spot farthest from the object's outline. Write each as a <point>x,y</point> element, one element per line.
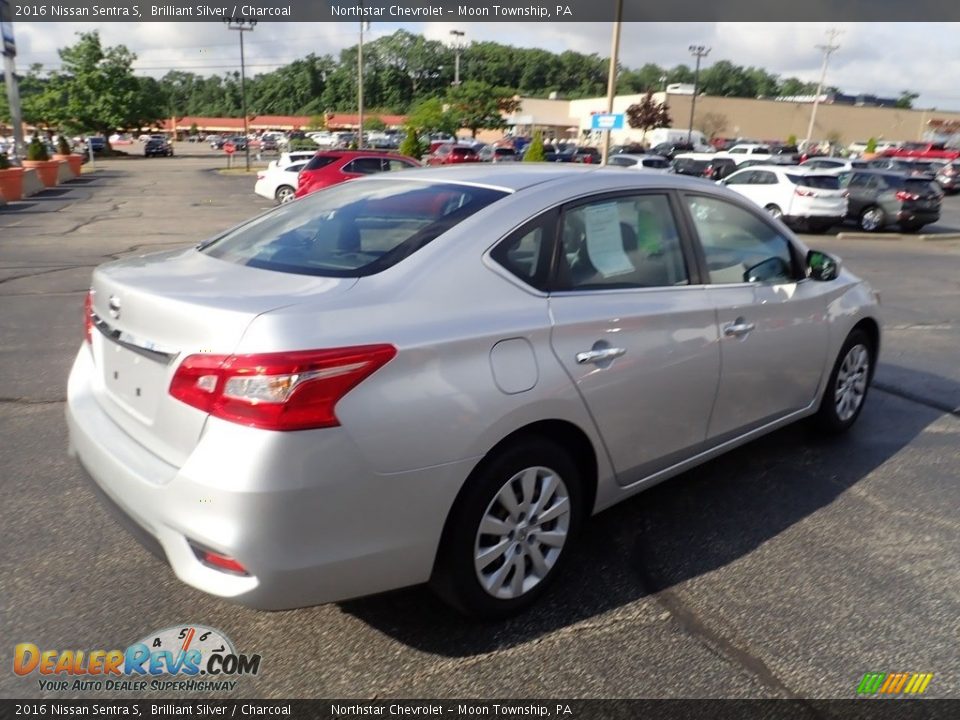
<point>691,525</point>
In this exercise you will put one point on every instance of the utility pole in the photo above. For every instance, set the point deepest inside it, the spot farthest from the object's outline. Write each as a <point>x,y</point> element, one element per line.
<point>364,25</point>
<point>457,47</point>
<point>827,50</point>
<point>699,52</point>
<point>243,25</point>
<point>612,79</point>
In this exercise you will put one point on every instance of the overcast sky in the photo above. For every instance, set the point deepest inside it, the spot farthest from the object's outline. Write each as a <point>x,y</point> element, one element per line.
<point>879,58</point>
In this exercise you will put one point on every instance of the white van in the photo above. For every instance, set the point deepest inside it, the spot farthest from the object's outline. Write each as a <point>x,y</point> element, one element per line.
<point>677,135</point>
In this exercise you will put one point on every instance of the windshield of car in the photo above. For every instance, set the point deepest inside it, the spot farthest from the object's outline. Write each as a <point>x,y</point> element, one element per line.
<point>351,230</point>
<point>822,182</point>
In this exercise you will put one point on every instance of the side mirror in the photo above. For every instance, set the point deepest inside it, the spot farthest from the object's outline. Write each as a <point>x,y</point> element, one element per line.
<point>822,267</point>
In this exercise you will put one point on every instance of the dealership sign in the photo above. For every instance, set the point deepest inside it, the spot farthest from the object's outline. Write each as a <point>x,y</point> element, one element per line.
<point>607,121</point>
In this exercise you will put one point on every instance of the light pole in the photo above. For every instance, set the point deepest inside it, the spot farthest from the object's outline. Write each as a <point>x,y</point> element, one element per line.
<point>828,50</point>
<point>365,25</point>
<point>457,40</point>
<point>699,52</point>
<point>243,25</point>
<point>8,48</point>
<point>612,79</point>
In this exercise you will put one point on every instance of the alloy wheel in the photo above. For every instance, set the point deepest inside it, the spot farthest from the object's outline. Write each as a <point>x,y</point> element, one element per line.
<point>522,533</point>
<point>851,384</point>
<point>871,220</point>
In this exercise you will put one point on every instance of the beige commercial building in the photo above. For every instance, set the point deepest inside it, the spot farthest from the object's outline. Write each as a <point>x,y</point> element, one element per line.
<point>742,117</point>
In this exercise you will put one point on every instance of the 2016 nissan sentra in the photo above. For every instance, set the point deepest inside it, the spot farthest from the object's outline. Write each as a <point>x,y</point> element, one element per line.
<point>437,375</point>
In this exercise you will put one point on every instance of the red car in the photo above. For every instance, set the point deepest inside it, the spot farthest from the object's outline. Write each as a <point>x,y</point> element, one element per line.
<point>329,167</point>
<point>450,154</point>
<point>925,150</point>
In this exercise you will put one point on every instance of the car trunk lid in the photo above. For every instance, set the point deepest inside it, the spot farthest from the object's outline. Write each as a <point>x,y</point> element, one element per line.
<point>153,311</point>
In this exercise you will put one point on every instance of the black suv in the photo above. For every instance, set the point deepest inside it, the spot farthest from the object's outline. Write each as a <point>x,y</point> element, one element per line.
<point>157,146</point>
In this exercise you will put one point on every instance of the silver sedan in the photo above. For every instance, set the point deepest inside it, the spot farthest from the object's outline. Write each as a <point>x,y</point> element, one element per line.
<point>436,376</point>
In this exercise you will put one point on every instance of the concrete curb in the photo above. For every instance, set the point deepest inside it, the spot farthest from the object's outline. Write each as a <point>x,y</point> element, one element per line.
<point>64,173</point>
<point>927,237</point>
<point>939,236</point>
<point>31,183</point>
<point>868,236</point>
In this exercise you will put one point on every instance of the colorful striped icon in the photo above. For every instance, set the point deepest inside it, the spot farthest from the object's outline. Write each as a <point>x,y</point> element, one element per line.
<point>904,683</point>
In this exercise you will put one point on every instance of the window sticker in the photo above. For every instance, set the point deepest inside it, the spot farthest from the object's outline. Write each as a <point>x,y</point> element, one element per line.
<point>604,240</point>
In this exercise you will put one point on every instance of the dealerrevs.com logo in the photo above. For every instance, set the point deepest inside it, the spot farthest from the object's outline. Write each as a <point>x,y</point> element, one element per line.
<point>181,658</point>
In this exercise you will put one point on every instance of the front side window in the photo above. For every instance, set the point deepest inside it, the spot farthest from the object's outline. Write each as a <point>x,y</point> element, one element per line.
<point>740,246</point>
<point>352,229</point>
<point>624,242</point>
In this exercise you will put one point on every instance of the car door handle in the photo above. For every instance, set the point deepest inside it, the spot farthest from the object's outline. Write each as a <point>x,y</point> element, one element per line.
<point>596,356</point>
<point>738,328</point>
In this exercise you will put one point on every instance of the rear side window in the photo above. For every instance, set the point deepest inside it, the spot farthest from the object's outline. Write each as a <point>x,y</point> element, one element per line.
<point>353,229</point>
<point>364,166</point>
<point>320,161</point>
<point>526,253</point>
<point>821,182</point>
<point>655,163</point>
<point>920,187</point>
<point>462,152</point>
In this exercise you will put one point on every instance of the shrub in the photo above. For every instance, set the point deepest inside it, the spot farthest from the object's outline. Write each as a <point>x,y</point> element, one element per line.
<point>871,145</point>
<point>4,162</point>
<point>63,147</point>
<point>37,150</point>
<point>535,152</point>
<point>302,144</point>
<point>792,140</point>
<point>411,145</point>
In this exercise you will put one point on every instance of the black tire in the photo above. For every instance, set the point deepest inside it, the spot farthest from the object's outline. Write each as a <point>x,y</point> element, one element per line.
<point>828,418</point>
<point>284,194</point>
<point>774,211</point>
<point>455,577</point>
<point>872,219</point>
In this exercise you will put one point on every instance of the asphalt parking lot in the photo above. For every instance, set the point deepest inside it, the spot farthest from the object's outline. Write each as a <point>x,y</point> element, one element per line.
<point>788,568</point>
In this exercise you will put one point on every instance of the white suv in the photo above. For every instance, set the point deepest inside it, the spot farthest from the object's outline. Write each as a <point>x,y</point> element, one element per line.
<point>798,196</point>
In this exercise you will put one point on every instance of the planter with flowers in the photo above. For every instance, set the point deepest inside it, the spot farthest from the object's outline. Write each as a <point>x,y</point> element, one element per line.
<point>63,153</point>
<point>38,159</point>
<point>11,180</point>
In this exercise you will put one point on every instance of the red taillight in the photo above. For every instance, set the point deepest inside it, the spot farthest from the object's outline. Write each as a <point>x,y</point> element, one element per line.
<point>804,192</point>
<point>88,317</point>
<point>904,195</point>
<point>277,391</point>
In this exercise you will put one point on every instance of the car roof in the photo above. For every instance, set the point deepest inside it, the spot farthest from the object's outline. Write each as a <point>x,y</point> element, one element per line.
<point>519,176</point>
<point>792,169</point>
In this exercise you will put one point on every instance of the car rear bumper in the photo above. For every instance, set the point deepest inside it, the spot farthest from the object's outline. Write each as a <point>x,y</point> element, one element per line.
<point>300,511</point>
<point>908,215</point>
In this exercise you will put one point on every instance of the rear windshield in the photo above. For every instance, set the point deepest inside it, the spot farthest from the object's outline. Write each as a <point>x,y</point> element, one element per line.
<point>319,161</point>
<point>350,230</point>
<point>505,151</point>
<point>821,182</point>
<point>921,187</point>
<point>655,163</point>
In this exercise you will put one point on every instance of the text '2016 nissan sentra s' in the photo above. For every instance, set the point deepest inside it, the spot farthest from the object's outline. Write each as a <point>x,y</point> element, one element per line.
<point>437,375</point>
